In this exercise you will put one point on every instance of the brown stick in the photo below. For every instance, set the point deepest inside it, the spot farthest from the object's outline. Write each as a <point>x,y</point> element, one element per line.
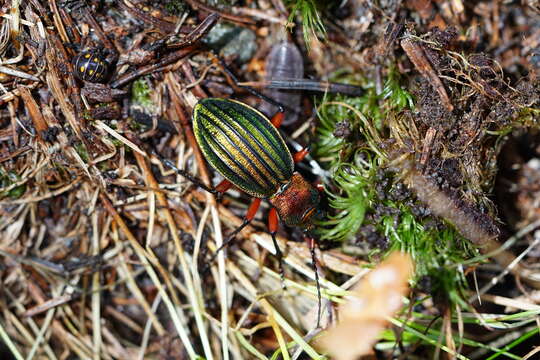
<point>166,27</point>
<point>431,134</point>
<point>57,90</point>
<point>33,110</point>
<point>196,5</point>
<point>416,54</point>
<point>186,127</point>
<point>58,23</point>
<point>169,59</point>
<point>187,47</point>
<point>188,72</point>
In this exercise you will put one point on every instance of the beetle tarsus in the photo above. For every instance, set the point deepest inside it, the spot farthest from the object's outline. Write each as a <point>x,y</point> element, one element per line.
<point>279,256</point>
<point>252,210</point>
<point>226,243</point>
<point>311,244</point>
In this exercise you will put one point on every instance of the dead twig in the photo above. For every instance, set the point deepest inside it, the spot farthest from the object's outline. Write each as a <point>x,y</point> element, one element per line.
<point>415,53</point>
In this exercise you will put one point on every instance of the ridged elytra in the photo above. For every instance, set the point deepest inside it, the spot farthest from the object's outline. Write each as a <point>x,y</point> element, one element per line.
<point>247,150</point>
<point>90,66</point>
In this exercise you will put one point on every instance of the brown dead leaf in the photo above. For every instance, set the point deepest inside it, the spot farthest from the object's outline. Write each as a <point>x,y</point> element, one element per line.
<point>376,297</point>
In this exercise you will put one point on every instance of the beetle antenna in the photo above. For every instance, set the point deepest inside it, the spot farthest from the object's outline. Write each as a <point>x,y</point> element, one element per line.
<point>249,89</point>
<point>311,244</point>
<point>188,176</point>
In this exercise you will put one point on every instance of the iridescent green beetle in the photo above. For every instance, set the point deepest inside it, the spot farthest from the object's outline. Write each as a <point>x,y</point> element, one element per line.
<point>245,147</point>
<point>247,150</point>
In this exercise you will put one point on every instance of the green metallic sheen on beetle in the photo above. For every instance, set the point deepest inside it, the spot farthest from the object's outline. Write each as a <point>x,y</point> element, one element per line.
<point>246,149</point>
<point>90,66</point>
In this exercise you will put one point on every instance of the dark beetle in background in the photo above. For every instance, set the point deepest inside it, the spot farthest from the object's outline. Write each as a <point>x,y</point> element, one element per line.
<point>91,66</point>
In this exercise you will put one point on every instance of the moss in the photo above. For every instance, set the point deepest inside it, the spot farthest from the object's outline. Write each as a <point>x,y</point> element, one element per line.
<point>140,93</point>
<point>81,150</point>
<point>309,11</point>
<point>353,203</point>
<point>7,179</point>
<point>86,115</point>
<point>117,143</point>
<point>369,203</point>
<point>175,6</point>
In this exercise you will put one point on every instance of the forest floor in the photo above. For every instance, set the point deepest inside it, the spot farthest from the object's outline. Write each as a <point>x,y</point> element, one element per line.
<point>422,121</point>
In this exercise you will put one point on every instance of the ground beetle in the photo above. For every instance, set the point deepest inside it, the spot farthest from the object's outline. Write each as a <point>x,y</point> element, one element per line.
<point>245,147</point>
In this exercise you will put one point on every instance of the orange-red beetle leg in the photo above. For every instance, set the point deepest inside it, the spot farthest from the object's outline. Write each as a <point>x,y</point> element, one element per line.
<point>300,155</point>
<point>273,221</point>
<point>277,119</point>
<point>223,186</point>
<point>252,210</point>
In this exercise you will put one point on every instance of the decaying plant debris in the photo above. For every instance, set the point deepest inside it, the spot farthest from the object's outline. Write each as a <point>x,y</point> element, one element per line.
<point>430,149</point>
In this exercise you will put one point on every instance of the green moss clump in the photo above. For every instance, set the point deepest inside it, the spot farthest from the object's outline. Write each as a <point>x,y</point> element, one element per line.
<point>81,150</point>
<point>309,10</point>
<point>175,7</point>
<point>7,179</point>
<point>140,93</point>
<point>368,203</point>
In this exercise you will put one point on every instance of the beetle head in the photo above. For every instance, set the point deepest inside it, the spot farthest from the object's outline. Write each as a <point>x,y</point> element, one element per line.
<point>297,202</point>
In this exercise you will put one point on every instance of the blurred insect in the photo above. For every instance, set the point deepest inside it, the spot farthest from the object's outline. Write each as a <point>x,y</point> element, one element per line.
<point>308,85</point>
<point>90,66</point>
<point>284,62</point>
<point>284,82</point>
<point>245,147</point>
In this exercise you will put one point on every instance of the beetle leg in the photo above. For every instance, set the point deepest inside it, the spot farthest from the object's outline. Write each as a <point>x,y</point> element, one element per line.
<point>193,179</point>
<point>311,244</point>
<point>277,119</point>
<point>252,210</point>
<point>223,186</point>
<point>300,155</point>
<point>273,227</point>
